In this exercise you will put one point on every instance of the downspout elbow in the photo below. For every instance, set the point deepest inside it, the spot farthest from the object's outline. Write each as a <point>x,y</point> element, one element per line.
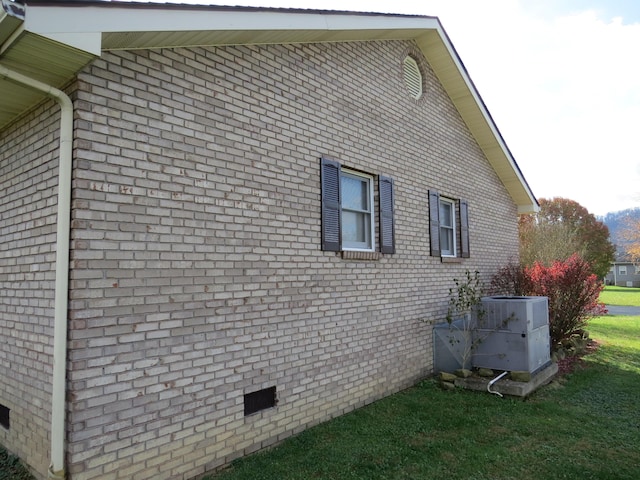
<point>494,381</point>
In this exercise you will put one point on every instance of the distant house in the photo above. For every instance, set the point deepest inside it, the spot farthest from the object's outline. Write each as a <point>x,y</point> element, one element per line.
<point>623,274</point>
<point>220,226</point>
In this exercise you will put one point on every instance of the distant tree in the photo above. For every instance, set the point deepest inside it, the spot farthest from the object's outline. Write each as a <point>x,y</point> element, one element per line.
<point>561,228</point>
<point>545,242</point>
<point>630,233</point>
<point>618,224</point>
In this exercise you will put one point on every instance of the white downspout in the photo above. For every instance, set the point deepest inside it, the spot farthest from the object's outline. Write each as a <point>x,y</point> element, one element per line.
<point>58,403</point>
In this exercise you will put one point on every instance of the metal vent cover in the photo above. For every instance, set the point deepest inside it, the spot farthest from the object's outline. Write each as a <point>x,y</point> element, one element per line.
<point>412,77</point>
<point>260,400</point>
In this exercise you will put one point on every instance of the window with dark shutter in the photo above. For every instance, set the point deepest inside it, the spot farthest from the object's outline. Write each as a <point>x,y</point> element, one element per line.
<point>348,222</point>
<point>387,227</point>
<point>331,211</point>
<point>434,222</point>
<point>464,229</point>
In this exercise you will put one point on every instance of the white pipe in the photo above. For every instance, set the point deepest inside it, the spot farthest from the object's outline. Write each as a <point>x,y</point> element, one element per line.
<point>494,381</point>
<point>56,469</point>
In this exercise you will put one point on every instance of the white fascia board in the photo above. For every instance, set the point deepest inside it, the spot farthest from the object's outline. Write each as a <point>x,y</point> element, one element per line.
<point>379,22</point>
<point>104,20</point>
<point>428,42</point>
<point>46,20</point>
<point>528,209</point>
<point>83,27</point>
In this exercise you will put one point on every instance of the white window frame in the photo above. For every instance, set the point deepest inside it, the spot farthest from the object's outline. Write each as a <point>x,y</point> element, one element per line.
<point>369,245</point>
<point>622,270</point>
<point>448,229</point>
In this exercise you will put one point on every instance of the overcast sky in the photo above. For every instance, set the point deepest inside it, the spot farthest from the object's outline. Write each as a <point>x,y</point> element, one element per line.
<point>561,79</point>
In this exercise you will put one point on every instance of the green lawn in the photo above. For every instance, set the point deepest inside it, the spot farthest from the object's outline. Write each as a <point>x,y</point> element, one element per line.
<point>621,296</point>
<point>583,426</point>
<point>11,468</point>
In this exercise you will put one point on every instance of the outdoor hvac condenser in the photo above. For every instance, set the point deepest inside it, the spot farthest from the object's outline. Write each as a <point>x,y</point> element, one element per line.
<point>512,334</point>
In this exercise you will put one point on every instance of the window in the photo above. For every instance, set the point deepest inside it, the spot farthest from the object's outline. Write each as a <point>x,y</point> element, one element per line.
<point>348,219</point>
<point>448,226</point>
<point>622,269</point>
<point>357,218</point>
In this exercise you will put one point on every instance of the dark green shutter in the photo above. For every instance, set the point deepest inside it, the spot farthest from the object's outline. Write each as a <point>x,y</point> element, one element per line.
<point>387,227</point>
<point>331,210</point>
<point>434,222</point>
<point>464,229</point>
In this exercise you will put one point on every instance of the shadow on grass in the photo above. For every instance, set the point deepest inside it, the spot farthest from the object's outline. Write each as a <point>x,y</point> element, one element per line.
<point>629,290</point>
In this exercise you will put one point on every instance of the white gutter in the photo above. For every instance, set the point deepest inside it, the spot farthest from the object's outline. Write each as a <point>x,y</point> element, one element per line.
<point>58,437</point>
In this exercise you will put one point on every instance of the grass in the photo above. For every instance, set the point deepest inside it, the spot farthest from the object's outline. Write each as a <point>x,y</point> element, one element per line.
<point>583,426</point>
<point>11,468</point>
<point>620,296</point>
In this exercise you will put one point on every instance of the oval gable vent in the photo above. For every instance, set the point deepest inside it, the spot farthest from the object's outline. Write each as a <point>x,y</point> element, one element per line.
<point>413,77</point>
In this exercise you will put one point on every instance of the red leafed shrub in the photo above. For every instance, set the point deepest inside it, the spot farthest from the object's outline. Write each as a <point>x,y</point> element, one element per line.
<point>511,279</point>
<point>572,289</point>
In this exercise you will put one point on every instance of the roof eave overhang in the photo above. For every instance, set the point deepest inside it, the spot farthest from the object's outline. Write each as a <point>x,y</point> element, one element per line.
<point>11,18</point>
<point>455,79</point>
<point>55,41</point>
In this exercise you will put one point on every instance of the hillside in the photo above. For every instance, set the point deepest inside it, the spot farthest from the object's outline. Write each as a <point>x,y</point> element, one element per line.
<point>616,222</point>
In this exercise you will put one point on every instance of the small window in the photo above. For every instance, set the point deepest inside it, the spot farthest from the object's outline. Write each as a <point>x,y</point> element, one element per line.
<point>447,228</point>
<point>412,77</point>
<point>622,269</point>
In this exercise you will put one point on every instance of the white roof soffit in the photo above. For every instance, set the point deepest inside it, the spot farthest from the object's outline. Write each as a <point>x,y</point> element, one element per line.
<point>81,29</point>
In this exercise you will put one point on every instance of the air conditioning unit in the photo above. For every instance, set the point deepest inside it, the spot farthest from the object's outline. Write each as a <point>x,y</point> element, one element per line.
<point>512,334</point>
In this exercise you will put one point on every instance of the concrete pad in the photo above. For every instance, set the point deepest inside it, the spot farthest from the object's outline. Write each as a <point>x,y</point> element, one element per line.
<point>509,387</point>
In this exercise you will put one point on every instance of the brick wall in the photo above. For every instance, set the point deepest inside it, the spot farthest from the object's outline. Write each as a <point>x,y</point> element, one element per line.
<point>28,182</point>
<point>196,271</point>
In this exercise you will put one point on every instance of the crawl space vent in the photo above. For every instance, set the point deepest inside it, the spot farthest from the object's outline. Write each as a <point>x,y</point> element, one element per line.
<point>260,400</point>
<point>4,416</point>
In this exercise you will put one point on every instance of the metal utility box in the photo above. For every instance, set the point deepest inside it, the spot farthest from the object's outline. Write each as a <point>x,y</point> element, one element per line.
<point>512,334</point>
<point>449,344</point>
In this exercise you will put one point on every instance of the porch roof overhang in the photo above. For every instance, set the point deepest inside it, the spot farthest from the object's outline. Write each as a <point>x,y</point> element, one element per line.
<point>52,41</point>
